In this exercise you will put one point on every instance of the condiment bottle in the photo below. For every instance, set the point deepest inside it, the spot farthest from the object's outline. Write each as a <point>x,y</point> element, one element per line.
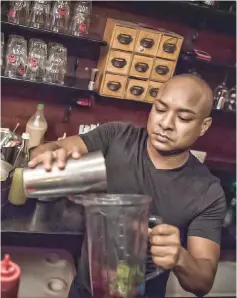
<point>10,278</point>
<point>37,127</point>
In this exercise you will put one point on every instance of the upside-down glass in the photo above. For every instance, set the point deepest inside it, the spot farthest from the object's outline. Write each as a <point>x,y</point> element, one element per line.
<point>56,64</point>
<point>2,49</point>
<point>40,14</point>
<point>59,16</point>
<point>117,234</point>
<point>19,12</point>
<point>36,59</point>
<point>231,102</point>
<point>81,18</point>
<point>16,56</point>
<point>221,94</point>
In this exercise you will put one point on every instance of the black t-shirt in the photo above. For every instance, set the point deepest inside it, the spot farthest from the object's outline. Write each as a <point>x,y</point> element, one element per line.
<point>188,197</point>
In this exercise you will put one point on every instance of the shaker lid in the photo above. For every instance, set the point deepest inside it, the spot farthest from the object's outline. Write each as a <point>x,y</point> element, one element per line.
<point>25,136</point>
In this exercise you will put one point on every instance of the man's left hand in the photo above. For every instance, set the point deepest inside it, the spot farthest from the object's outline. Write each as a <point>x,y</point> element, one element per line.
<point>165,245</point>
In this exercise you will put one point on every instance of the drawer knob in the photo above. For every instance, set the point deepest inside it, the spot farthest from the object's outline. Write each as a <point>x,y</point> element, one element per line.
<point>118,62</point>
<point>141,67</point>
<point>114,86</point>
<point>153,92</point>
<point>147,43</point>
<point>124,38</point>
<point>169,47</point>
<point>137,90</point>
<point>162,69</point>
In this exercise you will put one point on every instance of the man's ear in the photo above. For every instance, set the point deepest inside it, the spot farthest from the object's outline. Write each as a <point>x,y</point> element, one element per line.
<point>205,125</point>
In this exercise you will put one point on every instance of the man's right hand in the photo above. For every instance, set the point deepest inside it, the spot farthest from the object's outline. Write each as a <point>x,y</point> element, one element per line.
<point>59,155</point>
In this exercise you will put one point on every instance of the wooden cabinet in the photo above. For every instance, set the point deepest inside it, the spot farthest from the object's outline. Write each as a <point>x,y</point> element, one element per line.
<point>141,67</point>
<point>170,47</point>
<point>120,35</point>
<point>137,60</point>
<point>136,89</point>
<point>152,91</point>
<point>162,70</point>
<point>114,85</point>
<point>147,42</point>
<point>119,62</point>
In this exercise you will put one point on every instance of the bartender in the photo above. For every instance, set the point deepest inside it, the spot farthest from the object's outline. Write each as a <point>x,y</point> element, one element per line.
<point>157,161</point>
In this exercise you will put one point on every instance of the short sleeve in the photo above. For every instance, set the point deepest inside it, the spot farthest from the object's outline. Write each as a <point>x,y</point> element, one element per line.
<point>208,223</point>
<point>100,138</point>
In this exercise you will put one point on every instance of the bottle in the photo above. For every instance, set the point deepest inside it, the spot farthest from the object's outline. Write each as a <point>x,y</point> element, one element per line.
<point>36,127</point>
<point>10,278</point>
<point>22,157</point>
<point>21,161</point>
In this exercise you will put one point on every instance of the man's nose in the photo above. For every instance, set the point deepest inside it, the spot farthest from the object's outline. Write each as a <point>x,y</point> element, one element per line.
<point>167,122</point>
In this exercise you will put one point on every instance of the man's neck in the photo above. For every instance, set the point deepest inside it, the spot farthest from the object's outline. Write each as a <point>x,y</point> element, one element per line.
<point>166,162</point>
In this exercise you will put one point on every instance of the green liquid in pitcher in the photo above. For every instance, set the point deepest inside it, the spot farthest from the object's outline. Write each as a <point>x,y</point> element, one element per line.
<point>125,284</point>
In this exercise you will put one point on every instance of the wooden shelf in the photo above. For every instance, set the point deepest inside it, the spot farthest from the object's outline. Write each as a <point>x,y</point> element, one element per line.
<point>71,85</point>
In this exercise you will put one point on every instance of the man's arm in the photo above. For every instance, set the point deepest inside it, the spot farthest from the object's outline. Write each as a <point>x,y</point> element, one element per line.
<point>98,139</point>
<point>196,266</point>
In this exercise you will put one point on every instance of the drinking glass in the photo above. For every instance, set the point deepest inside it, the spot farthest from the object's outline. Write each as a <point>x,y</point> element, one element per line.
<point>16,56</point>
<point>19,12</point>
<point>221,94</point>
<point>56,64</point>
<point>36,59</point>
<point>59,16</point>
<point>2,49</point>
<point>81,18</point>
<point>40,14</point>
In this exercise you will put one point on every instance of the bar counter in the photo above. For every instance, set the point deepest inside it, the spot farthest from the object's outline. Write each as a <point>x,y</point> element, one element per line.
<point>58,223</point>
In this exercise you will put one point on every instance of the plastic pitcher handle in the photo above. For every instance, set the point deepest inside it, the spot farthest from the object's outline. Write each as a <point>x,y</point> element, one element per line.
<point>153,221</point>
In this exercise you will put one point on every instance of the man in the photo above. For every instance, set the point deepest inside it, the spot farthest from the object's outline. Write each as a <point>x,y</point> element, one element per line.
<point>157,162</point>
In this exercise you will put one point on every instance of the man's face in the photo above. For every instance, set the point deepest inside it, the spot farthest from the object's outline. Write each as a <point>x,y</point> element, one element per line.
<point>176,119</point>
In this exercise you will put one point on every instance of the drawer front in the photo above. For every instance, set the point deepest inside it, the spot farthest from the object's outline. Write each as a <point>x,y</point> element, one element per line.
<point>119,62</point>
<point>169,47</point>
<point>152,91</point>
<point>147,42</point>
<point>114,86</point>
<point>162,70</point>
<point>141,66</point>
<point>124,38</point>
<point>136,90</point>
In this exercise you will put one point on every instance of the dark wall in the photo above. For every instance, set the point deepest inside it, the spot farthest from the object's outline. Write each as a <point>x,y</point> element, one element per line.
<point>19,103</point>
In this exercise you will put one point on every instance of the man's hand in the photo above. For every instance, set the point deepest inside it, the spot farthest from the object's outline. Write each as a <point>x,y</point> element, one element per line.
<point>165,245</point>
<point>60,155</point>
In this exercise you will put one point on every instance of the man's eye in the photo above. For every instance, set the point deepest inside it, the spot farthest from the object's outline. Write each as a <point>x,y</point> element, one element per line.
<point>160,110</point>
<point>185,119</point>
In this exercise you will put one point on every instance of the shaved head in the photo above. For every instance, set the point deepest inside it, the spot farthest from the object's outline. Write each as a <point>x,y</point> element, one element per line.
<point>180,114</point>
<point>199,91</point>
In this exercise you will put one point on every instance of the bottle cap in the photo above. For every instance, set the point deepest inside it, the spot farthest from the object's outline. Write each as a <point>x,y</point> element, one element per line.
<point>9,270</point>
<point>40,106</point>
<point>25,136</point>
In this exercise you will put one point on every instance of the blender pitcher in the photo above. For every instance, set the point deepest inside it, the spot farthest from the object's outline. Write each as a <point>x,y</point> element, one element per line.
<point>117,231</point>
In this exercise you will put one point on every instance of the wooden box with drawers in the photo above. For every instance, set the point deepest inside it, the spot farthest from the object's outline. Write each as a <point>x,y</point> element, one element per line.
<point>137,60</point>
